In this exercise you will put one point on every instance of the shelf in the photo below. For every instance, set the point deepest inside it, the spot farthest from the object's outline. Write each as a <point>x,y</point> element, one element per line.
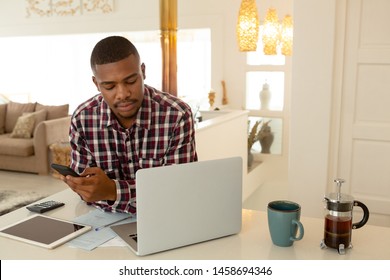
<point>255,164</point>
<point>266,114</point>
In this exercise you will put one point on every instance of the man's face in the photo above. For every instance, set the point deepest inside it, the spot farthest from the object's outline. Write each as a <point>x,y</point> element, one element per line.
<point>122,86</point>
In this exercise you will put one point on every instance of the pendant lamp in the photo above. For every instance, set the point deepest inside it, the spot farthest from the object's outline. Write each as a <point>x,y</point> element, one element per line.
<point>286,35</point>
<point>271,32</point>
<point>247,29</point>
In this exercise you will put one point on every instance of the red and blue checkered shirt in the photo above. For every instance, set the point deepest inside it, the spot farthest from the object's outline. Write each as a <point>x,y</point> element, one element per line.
<point>162,134</point>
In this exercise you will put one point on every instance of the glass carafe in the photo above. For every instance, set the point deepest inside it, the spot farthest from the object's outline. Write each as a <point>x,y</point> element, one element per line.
<point>338,223</point>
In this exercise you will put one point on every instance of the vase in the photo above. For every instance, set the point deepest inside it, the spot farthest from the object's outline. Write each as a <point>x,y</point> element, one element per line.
<point>265,97</point>
<point>266,143</point>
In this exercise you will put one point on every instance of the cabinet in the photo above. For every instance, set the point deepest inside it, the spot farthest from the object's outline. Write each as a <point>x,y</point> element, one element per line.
<point>224,134</point>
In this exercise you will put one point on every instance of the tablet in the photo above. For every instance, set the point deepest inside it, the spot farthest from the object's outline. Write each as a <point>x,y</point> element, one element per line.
<point>44,231</point>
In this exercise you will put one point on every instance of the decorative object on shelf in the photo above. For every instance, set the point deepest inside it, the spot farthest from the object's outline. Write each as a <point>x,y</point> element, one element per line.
<point>211,98</point>
<point>266,138</point>
<point>247,29</point>
<point>224,93</point>
<point>253,136</point>
<point>265,97</point>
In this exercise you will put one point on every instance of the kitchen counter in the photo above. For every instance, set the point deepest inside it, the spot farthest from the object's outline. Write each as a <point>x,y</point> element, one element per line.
<point>252,243</point>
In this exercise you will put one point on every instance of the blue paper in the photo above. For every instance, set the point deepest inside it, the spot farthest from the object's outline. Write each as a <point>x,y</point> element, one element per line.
<point>97,219</point>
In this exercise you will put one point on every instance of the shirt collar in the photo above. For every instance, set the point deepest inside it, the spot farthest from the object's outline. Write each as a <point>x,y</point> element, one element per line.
<point>144,115</point>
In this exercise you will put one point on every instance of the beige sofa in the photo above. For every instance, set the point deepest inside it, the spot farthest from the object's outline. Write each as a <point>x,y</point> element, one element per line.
<point>26,132</point>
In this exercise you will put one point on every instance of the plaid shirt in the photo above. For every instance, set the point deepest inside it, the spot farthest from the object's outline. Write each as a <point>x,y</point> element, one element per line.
<point>162,134</point>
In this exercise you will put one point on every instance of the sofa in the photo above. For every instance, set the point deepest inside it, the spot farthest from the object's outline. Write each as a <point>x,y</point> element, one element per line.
<point>26,132</point>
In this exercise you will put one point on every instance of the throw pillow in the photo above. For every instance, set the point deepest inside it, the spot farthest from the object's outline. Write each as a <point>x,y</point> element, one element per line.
<point>14,111</point>
<point>24,127</point>
<point>3,110</point>
<point>54,112</point>
<point>39,116</point>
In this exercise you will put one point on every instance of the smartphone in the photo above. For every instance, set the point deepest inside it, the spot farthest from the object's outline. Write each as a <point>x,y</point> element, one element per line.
<point>64,170</point>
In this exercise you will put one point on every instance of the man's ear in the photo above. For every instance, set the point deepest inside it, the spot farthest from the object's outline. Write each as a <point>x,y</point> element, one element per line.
<point>143,70</point>
<point>95,82</point>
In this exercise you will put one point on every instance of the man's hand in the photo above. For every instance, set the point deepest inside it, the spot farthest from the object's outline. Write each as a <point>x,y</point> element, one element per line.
<point>92,185</point>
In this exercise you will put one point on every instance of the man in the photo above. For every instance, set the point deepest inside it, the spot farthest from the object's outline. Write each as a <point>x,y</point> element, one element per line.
<point>128,126</point>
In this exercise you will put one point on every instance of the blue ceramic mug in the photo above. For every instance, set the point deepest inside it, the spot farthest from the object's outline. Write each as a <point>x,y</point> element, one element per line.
<point>283,222</point>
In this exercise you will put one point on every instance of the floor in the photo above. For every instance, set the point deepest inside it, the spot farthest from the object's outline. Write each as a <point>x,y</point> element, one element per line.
<point>45,185</point>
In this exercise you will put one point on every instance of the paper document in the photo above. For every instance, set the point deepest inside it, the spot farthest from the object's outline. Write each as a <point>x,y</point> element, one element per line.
<point>102,221</point>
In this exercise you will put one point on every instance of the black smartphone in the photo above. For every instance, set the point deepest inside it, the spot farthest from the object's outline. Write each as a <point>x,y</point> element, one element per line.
<point>64,170</point>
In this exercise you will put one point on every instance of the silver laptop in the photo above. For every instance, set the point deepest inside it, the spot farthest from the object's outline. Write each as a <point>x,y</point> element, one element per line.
<point>183,204</point>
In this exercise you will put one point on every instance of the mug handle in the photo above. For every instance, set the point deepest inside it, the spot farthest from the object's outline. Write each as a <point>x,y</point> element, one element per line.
<point>366,214</point>
<point>301,231</point>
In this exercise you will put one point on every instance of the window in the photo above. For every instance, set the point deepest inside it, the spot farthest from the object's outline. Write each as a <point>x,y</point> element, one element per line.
<point>56,70</point>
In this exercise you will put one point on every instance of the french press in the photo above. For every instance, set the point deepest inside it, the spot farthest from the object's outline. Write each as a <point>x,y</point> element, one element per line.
<point>338,219</point>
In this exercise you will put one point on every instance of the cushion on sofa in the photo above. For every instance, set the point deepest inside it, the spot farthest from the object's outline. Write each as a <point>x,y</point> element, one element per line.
<point>54,112</point>
<point>14,111</point>
<point>16,147</point>
<point>39,117</point>
<point>3,110</point>
<point>24,127</point>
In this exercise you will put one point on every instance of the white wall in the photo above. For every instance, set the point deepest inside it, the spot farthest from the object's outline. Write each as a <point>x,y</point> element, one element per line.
<point>311,103</point>
<point>127,15</point>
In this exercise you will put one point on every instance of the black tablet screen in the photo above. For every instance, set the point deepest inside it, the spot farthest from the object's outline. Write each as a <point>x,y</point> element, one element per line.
<point>43,229</point>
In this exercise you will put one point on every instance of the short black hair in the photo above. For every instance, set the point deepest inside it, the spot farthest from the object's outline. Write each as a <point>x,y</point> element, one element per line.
<point>112,49</point>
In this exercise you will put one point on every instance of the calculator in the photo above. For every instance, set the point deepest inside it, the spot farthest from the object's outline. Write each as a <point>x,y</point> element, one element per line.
<point>45,206</point>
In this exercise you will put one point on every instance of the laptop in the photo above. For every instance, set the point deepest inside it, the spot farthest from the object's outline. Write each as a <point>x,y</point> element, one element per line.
<point>184,204</point>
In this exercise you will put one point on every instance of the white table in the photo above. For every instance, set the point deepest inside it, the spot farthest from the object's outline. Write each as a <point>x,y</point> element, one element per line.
<point>253,242</point>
